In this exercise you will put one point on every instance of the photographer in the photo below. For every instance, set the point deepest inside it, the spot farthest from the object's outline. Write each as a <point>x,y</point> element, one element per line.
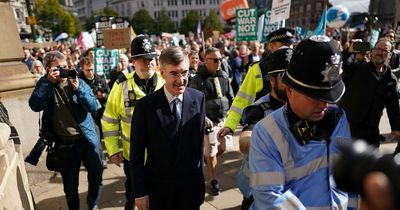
<point>371,87</point>
<point>67,104</point>
<point>98,85</point>
<point>365,170</point>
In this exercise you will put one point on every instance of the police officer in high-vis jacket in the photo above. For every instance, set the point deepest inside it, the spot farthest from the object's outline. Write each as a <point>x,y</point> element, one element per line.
<point>116,120</point>
<point>293,149</point>
<point>256,83</point>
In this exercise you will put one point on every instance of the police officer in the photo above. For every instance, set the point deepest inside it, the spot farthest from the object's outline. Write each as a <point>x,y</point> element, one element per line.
<point>277,65</point>
<point>293,148</point>
<point>256,83</point>
<point>116,120</point>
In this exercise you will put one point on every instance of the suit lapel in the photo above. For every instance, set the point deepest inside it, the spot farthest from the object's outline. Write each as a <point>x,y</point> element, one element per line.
<point>188,107</point>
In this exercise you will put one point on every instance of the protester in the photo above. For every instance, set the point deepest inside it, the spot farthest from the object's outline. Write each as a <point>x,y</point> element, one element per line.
<point>171,132</point>
<point>371,87</point>
<point>121,103</point>
<point>67,105</point>
<point>292,149</point>
<point>214,83</point>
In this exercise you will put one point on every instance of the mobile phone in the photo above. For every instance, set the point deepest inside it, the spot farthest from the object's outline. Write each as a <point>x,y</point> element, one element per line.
<point>361,46</point>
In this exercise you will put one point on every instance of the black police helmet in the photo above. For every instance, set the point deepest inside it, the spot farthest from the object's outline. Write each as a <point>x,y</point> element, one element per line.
<point>315,70</point>
<point>283,35</point>
<point>279,60</point>
<point>142,47</point>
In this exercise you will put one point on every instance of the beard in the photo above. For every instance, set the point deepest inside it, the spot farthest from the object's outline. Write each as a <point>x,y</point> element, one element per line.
<point>280,93</point>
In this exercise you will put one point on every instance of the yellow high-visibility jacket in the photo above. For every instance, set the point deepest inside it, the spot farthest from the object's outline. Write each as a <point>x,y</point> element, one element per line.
<point>117,117</point>
<point>251,85</point>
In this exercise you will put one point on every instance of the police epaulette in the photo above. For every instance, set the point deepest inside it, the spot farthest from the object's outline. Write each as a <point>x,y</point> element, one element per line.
<point>121,78</point>
<point>254,63</point>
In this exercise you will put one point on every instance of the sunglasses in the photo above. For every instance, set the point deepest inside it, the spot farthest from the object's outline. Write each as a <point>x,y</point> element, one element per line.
<point>216,60</point>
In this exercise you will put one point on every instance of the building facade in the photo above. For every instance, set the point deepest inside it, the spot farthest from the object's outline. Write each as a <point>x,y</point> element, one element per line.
<point>305,13</point>
<point>176,9</point>
<point>20,13</point>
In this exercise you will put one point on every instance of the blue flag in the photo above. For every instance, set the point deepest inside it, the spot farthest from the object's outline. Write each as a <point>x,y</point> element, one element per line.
<point>320,30</point>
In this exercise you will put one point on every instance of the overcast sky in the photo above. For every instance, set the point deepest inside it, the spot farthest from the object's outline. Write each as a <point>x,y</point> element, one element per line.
<point>353,5</point>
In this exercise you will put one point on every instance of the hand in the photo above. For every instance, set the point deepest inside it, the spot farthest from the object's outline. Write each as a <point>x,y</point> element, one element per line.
<point>395,135</point>
<point>52,75</point>
<point>223,132</point>
<point>377,193</point>
<point>116,159</point>
<point>74,83</point>
<point>208,123</point>
<point>142,203</point>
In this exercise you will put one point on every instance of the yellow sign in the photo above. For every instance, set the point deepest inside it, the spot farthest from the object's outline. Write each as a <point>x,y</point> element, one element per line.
<point>30,20</point>
<point>117,38</point>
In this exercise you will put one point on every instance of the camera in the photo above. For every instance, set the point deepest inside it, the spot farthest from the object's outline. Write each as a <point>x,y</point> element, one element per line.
<point>209,130</point>
<point>358,160</point>
<point>36,152</point>
<point>66,73</point>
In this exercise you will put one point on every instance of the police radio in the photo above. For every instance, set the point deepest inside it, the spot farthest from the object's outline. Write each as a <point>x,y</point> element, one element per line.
<point>131,99</point>
<point>303,131</point>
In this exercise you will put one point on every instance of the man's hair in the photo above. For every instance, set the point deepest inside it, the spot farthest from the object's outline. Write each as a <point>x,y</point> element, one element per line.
<point>52,56</point>
<point>211,50</point>
<point>85,61</point>
<point>193,52</point>
<point>384,40</point>
<point>173,56</point>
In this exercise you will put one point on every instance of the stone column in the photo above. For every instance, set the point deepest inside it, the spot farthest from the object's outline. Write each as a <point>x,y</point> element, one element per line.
<point>14,75</point>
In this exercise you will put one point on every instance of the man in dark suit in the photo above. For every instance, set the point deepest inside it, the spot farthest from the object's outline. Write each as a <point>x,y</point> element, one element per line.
<point>167,141</point>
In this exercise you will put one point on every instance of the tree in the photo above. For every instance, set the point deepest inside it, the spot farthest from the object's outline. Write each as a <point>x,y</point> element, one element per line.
<point>164,23</point>
<point>189,23</point>
<point>50,14</point>
<point>106,11</point>
<point>212,23</point>
<point>142,22</point>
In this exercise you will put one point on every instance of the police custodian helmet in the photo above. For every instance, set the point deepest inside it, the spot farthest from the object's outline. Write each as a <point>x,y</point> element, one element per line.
<point>279,60</point>
<point>142,47</point>
<point>315,70</point>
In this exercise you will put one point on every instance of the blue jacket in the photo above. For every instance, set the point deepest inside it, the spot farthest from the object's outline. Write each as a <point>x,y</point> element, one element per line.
<point>83,103</point>
<point>287,175</point>
<point>243,174</point>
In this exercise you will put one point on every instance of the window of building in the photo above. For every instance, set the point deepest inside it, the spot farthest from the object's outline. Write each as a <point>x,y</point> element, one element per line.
<point>319,6</point>
<point>308,9</point>
<point>301,9</point>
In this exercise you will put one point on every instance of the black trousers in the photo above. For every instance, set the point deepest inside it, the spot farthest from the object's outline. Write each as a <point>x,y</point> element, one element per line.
<point>130,198</point>
<point>365,132</point>
<point>166,196</point>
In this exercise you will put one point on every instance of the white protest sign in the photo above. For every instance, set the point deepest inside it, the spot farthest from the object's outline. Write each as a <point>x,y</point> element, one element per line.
<point>280,10</point>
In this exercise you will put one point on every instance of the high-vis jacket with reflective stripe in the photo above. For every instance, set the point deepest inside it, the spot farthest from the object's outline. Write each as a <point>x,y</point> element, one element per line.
<point>251,85</point>
<point>287,175</point>
<point>117,117</point>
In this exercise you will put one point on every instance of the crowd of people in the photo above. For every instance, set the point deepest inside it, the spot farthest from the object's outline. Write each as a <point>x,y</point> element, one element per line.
<point>166,110</point>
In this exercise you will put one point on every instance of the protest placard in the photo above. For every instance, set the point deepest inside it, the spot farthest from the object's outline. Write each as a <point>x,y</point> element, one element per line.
<point>117,38</point>
<point>246,24</point>
<point>104,61</point>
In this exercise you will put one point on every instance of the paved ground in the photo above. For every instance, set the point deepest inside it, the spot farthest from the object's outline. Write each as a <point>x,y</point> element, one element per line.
<point>48,193</point>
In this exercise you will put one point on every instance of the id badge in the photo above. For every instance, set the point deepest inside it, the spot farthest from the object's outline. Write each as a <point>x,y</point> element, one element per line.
<point>131,95</point>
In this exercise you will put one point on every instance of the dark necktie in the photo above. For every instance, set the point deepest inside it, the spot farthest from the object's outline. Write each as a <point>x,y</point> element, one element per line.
<point>176,112</point>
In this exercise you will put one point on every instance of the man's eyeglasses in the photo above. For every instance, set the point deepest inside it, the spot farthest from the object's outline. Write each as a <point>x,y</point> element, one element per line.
<point>175,74</point>
<point>216,60</point>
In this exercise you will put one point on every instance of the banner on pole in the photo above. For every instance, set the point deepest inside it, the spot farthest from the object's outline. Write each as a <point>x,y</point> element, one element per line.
<point>280,10</point>
<point>246,24</point>
<point>104,61</point>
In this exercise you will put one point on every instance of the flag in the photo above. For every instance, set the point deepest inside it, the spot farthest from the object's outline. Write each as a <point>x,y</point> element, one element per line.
<point>133,34</point>
<point>198,31</point>
<point>320,30</point>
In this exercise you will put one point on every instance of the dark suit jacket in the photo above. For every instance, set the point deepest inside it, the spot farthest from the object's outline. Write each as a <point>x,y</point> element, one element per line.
<point>174,156</point>
<point>366,96</point>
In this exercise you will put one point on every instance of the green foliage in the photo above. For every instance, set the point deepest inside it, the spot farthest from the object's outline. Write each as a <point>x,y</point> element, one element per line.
<point>142,22</point>
<point>106,11</point>
<point>189,23</point>
<point>212,23</point>
<point>50,14</point>
<point>164,23</point>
